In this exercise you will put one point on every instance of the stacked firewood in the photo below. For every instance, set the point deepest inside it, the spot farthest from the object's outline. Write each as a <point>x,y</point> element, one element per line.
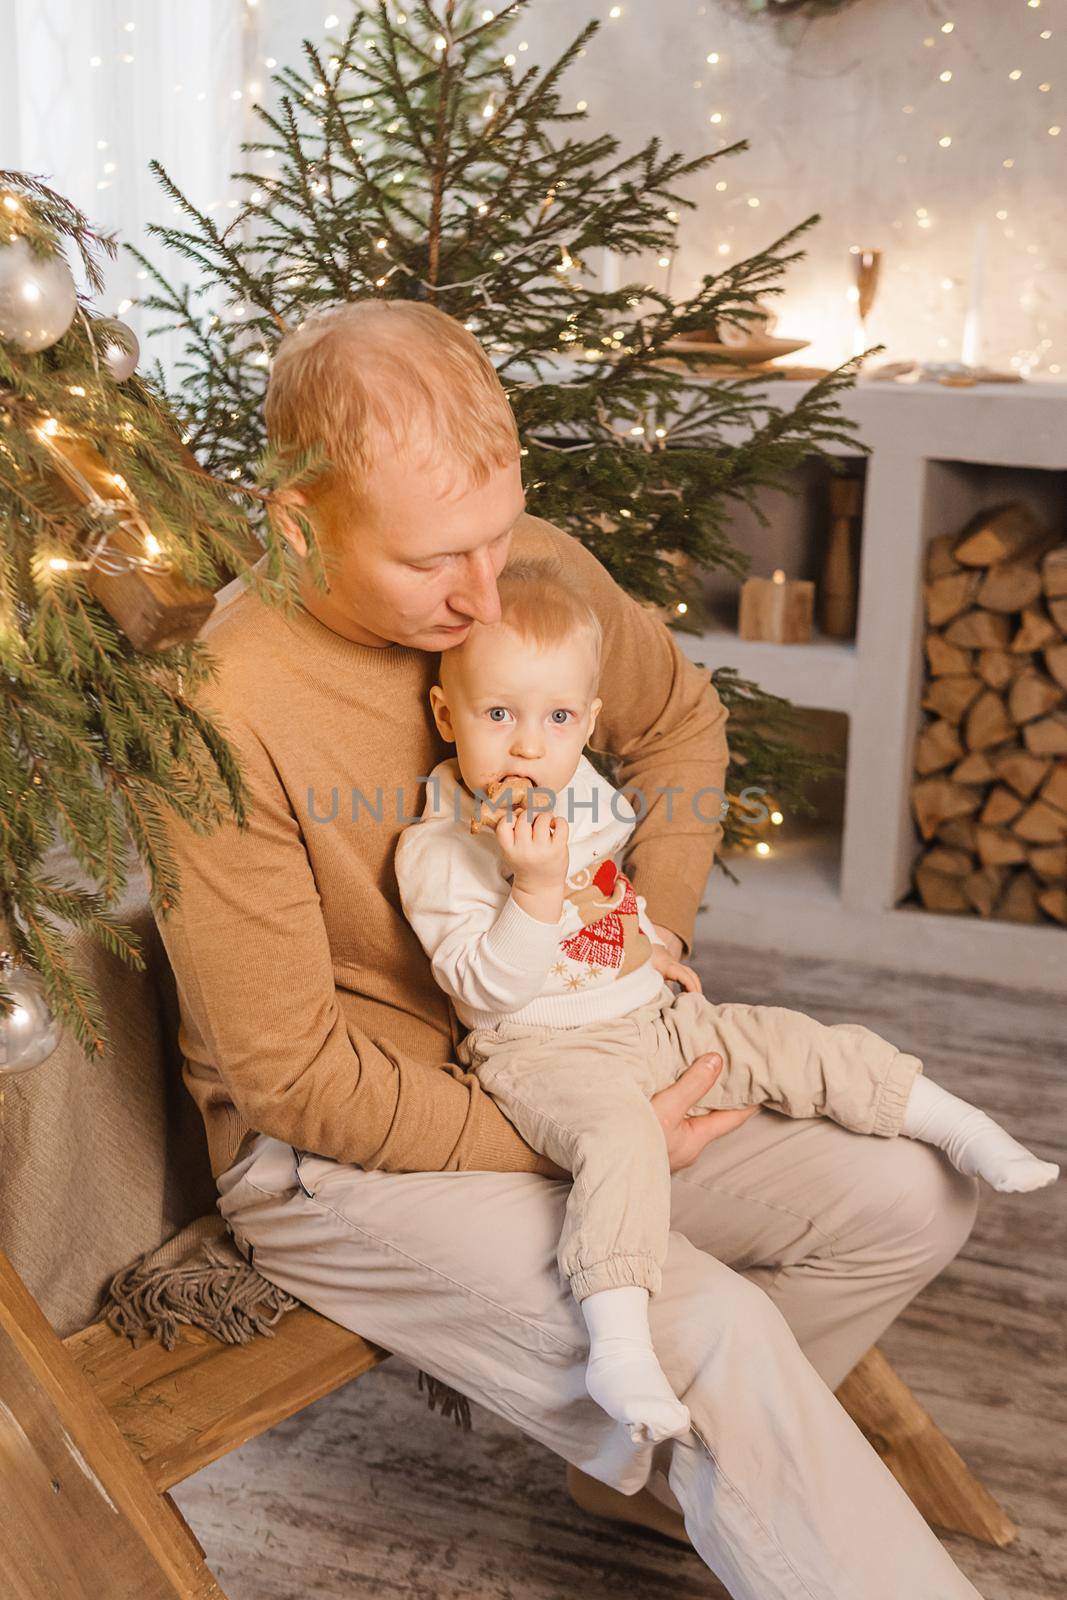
<point>990,796</point>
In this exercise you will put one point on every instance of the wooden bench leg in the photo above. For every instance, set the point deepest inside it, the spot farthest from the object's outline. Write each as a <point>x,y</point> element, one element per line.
<point>79,1519</point>
<point>926,1466</point>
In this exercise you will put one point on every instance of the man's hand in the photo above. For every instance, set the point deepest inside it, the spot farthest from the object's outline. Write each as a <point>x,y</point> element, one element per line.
<point>674,971</point>
<point>687,1136</point>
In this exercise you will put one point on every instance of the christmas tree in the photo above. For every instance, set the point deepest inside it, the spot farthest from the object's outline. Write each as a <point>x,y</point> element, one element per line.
<point>112,541</point>
<point>411,157</point>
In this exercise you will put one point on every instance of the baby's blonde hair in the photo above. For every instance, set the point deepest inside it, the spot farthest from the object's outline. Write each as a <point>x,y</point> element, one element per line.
<point>539,605</point>
<point>358,377</point>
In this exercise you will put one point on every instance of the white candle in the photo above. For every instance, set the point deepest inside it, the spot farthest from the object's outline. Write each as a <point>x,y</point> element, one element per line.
<point>970,350</point>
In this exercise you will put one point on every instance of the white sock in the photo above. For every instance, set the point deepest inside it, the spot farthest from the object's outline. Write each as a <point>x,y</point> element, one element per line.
<point>972,1141</point>
<point>623,1375</point>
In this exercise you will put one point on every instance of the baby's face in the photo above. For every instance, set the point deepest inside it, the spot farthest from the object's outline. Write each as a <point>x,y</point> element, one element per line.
<point>512,709</point>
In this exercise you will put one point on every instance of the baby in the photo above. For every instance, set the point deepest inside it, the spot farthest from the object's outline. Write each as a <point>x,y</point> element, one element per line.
<point>551,961</point>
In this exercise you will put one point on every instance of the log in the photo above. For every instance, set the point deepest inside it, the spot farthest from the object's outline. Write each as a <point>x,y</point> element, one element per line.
<point>1020,770</point>
<point>936,800</point>
<point>1041,824</point>
<point>998,848</point>
<point>958,832</point>
<point>1003,534</point>
<point>1010,586</point>
<point>937,747</point>
<point>1047,737</point>
<point>1054,902</point>
<point>1031,695</point>
<point>975,768</point>
<point>987,722</point>
<point>1019,901</point>
<point>1049,862</point>
<point>990,795</point>
<point>938,891</point>
<point>1001,807</point>
<point>1054,573</point>
<point>952,863</point>
<point>155,610</point>
<point>997,668</point>
<point>1056,662</point>
<point>940,561</point>
<point>1055,791</point>
<point>1036,631</point>
<point>980,630</point>
<point>945,659</point>
<point>983,889</point>
<point>950,697</point>
<point>947,597</point>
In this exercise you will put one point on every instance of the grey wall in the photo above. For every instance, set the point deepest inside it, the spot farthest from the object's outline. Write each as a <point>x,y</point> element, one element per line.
<point>824,109</point>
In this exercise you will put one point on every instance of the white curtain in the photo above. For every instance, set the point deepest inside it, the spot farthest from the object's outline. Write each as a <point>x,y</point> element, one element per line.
<point>92,90</point>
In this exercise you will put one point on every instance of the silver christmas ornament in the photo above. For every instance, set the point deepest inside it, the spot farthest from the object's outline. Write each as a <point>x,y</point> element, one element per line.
<point>118,346</point>
<point>30,1032</point>
<point>37,297</point>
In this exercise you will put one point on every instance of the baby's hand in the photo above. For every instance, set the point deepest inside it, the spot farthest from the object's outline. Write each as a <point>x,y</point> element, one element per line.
<point>674,971</point>
<point>535,850</point>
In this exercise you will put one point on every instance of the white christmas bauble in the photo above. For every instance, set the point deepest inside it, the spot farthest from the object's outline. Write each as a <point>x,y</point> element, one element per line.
<point>30,1032</point>
<point>118,346</point>
<point>37,297</point>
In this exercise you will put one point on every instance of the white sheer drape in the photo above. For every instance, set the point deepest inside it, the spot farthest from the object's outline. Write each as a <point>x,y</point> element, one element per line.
<point>92,90</point>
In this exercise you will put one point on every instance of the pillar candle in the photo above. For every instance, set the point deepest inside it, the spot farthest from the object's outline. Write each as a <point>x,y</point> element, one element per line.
<point>777,609</point>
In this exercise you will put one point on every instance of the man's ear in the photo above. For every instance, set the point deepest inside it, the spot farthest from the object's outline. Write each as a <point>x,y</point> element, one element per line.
<point>283,507</point>
<point>594,712</point>
<point>441,714</point>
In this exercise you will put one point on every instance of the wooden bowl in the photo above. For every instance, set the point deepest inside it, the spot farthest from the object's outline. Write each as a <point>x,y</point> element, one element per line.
<point>759,347</point>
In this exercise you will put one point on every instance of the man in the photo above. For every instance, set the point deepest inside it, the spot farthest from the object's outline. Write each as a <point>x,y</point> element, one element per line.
<point>367,1172</point>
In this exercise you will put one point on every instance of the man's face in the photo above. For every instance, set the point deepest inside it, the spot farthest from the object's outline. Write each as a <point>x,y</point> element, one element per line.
<point>419,567</point>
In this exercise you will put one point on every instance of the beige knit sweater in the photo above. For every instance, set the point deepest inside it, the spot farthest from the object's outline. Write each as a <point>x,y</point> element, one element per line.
<point>308,1008</point>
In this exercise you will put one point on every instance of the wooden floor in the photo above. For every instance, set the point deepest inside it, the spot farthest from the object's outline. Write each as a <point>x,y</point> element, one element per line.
<point>368,1493</point>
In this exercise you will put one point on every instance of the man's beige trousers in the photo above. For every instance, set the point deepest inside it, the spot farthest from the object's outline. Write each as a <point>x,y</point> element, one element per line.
<point>793,1245</point>
<point>582,1096</point>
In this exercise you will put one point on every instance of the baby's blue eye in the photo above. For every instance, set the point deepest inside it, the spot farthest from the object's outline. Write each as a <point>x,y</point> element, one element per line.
<point>560,716</point>
<point>493,713</point>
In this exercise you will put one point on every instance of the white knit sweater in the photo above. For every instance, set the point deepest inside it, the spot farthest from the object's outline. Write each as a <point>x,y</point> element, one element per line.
<point>491,956</point>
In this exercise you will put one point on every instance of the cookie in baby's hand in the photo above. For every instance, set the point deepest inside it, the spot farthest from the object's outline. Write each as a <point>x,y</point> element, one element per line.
<point>519,793</point>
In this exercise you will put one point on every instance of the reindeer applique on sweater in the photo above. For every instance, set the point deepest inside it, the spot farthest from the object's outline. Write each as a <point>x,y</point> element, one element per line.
<point>611,934</point>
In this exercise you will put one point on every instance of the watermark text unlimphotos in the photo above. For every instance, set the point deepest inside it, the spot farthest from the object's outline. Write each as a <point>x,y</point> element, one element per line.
<point>708,805</point>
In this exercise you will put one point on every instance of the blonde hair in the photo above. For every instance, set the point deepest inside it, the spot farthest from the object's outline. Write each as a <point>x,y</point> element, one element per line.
<point>356,377</point>
<point>539,605</point>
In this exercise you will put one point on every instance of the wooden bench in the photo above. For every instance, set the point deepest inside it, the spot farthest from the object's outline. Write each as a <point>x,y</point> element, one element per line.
<point>93,1433</point>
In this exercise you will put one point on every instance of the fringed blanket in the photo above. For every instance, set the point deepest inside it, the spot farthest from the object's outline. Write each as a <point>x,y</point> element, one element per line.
<point>101,1160</point>
<point>201,1279</point>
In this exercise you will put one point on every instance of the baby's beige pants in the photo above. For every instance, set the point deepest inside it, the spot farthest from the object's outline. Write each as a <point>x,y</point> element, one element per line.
<point>581,1095</point>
